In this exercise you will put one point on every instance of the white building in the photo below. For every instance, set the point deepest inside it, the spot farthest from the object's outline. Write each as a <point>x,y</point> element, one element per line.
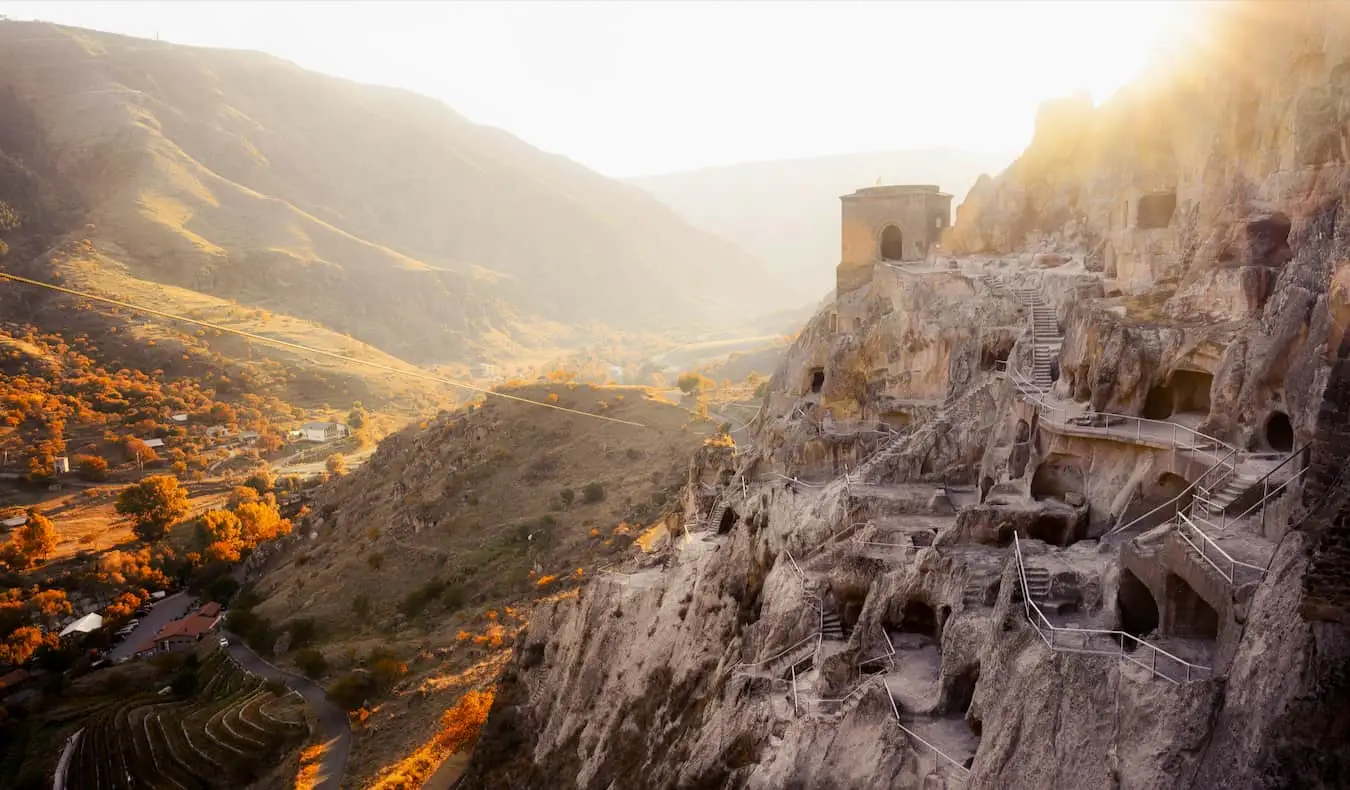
<point>322,431</point>
<point>87,624</point>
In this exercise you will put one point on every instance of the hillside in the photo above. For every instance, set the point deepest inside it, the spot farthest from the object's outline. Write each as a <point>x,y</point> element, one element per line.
<point>454,525</point>
<point>369,211</point>
<point>787,212</point>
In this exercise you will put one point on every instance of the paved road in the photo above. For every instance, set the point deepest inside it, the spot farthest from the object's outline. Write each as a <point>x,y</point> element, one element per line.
<point>337,735</point>
<point>170,609</point>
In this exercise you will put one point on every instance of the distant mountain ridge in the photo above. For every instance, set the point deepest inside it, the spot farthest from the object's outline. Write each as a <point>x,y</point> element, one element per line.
<point>371,210</point>
<point>786,212</point>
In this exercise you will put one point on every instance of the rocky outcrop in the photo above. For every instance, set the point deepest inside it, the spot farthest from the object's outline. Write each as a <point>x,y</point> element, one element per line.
<point>1011,627</point>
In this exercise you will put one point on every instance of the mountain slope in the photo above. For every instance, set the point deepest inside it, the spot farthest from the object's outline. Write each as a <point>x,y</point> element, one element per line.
<point>371,210</point>
<point>787,212</point>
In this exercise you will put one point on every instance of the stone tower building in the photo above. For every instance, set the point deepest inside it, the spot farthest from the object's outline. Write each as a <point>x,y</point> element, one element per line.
<point>890,223</point>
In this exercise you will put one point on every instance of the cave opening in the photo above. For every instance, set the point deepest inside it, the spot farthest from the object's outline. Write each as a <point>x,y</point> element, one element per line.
<point>1158,403</point>
<point>729,518</point>
<point>1189,615</point>
<point>917,617</point>
<point>1190,391</point>
<point>1136,607</point>
<point>1155,211</point>
<point>1279,432</point>
<point>817,379</point>
<point>1057,476</point>
<point>961,692</point>
<point>991,357</point>
<point>1268,240</point>
<point>892,244</point>
<point>850,603</point>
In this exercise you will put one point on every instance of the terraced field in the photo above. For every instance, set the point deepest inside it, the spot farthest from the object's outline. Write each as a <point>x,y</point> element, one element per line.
<point>230,733</point>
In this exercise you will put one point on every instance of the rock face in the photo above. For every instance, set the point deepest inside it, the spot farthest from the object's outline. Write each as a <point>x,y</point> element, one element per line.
<point>1114,565</point>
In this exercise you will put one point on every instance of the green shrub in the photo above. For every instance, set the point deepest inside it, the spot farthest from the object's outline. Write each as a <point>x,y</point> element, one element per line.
<point>312,663</point>
<point>303,632</point>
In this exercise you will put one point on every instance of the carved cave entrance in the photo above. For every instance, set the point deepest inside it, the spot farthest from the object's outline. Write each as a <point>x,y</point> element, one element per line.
<point>1279,432</point>
<point>917,617</point>
<point>1188,613</point>
<point>1136,607</point>
<point>817,379</point>
<point>1056,477</point>
<point>961,692</point>
<point>729,519</point>
<point>1155,211</point>
<point>892,244</point>
<point>1185,391</point>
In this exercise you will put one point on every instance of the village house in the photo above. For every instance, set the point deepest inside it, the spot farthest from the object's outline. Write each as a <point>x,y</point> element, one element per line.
<point>322,431</point>
<point>184,633</point>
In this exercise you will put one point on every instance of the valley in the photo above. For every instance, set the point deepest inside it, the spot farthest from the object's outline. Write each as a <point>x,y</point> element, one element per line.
<point>348,443</point>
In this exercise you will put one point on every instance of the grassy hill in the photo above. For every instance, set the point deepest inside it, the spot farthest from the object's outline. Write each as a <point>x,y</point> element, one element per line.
<point>435,548</point>
<point>366,210</point>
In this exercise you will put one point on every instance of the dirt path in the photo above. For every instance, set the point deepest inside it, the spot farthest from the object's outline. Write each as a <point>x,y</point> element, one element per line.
<point>336,734</point>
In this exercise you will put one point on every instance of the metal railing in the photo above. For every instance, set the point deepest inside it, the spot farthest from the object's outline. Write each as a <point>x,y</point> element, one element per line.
<point>1212,552</point>
<point>1099,641</point>
<point>858,691</point>
<point>1172,432</point>
<point>1175,502</point>
<point>911,733</point>
<point>887,655</point>
<point>1267,493</point>
<point>795,646</point>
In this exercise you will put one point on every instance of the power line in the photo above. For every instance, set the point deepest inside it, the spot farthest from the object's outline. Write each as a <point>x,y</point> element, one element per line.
<point>299,347</point>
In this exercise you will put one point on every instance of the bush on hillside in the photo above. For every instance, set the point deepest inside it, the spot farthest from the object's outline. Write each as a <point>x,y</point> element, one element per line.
<point>592,493</point>
<point>312,663</point>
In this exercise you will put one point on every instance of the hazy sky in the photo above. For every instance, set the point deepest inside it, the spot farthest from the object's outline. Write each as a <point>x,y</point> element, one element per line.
<point>648,87</point>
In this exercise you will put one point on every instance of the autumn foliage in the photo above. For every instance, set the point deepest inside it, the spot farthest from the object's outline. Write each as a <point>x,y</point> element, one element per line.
<point>459,729</point>
<point>155,504</point>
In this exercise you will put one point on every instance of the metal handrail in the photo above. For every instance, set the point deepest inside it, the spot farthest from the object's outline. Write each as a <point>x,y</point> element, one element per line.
<point>795,646</point>
<point>1267,494</point>
<point>857,691</point>
<point>1176,499</point>
<point>888,654</point>
<point>1233,564</point>
<point>1199,440</point>
<point>911,733</point>
<point>1119,637</point>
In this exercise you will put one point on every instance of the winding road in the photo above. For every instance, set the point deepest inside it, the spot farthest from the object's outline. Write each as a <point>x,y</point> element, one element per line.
<point>337,735</point>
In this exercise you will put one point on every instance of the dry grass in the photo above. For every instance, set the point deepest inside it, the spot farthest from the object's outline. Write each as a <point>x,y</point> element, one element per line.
<point>478,484</point>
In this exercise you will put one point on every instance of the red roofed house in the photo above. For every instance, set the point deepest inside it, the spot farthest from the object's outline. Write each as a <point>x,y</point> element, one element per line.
<point>185,633</point>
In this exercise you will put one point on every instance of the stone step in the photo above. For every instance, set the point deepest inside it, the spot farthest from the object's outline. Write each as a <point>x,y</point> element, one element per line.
<point>832,627</point>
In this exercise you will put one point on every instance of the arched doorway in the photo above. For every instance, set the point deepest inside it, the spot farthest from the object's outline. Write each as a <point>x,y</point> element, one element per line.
<point>1279,432</point>
<point>892,244</point>
<point>1138,611</point>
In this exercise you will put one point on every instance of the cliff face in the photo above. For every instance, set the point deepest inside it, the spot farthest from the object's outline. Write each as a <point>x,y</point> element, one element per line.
<point>1115,565</point>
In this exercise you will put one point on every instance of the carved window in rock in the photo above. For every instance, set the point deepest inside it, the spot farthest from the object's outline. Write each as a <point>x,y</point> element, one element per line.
<point>1155,210</point>
<point>892,244</point>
